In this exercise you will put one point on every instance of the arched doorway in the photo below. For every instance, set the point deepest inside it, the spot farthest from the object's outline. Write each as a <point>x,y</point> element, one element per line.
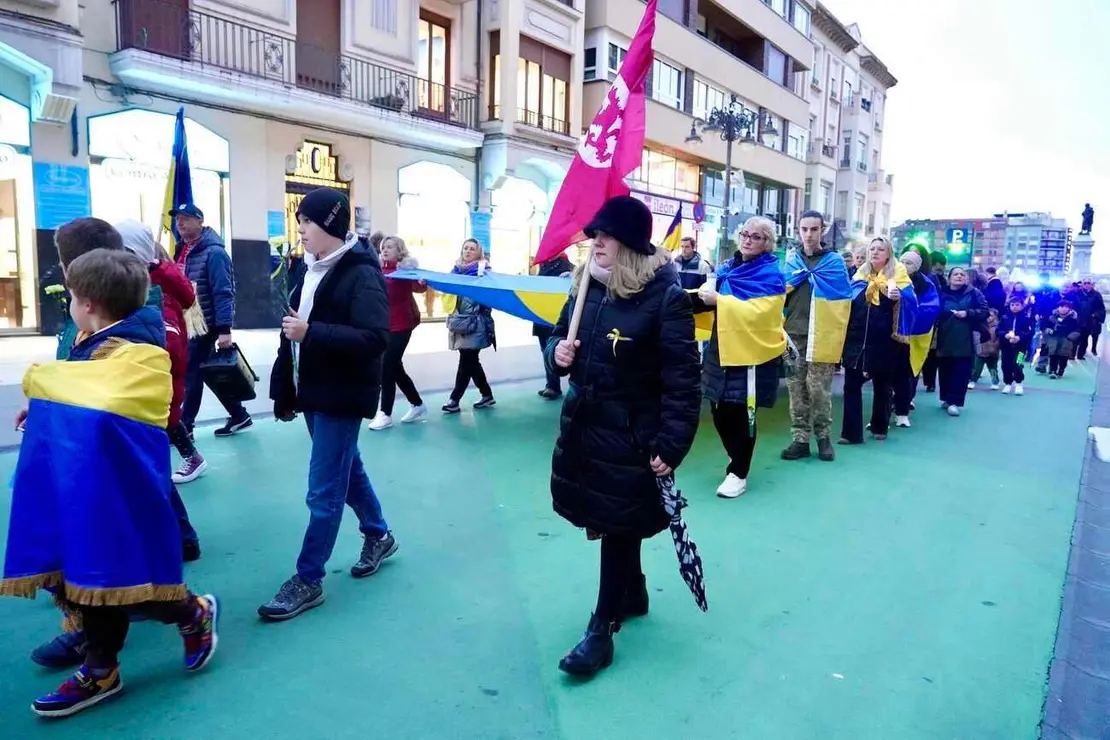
<point>519,215</point>
<point>315,167</point>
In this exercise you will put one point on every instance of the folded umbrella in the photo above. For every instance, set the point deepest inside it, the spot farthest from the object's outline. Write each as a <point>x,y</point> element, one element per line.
<point>689,561</point>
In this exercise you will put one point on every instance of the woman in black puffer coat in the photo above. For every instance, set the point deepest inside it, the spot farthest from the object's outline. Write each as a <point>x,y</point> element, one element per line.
<point>629,415</point>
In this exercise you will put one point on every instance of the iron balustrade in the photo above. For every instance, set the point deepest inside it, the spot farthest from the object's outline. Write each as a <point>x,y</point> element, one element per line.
<point>170,30</point>
<point>547,123</point>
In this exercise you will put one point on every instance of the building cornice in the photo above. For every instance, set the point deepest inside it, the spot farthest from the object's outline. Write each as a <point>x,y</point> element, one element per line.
<point>829,25</point>
<point>873,66</point>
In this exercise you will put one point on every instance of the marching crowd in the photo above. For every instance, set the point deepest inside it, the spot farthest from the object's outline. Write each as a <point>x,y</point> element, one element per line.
<point>637,377</point>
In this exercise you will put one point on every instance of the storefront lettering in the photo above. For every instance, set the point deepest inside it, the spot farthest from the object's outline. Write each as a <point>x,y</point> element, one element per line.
<point>659,204</point>
<point>316,164</point>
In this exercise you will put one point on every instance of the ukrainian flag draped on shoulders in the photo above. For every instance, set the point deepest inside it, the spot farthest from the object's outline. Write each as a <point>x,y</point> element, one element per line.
<point>921,336</point>
<point>91,511</point>
<point>875,285</point>
<point>830,303</point>
<point>750,300</point>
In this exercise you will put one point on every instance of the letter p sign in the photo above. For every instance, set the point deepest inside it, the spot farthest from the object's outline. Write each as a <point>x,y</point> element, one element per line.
<point>957,236</point>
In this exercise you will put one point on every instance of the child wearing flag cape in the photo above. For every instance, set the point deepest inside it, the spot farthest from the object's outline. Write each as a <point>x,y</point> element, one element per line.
<point>100,531</point>
<point>741,368</point>
<point>630,413</point>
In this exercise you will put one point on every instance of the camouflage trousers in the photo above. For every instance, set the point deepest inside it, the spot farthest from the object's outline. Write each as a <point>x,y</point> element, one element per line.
<point>811,399</point>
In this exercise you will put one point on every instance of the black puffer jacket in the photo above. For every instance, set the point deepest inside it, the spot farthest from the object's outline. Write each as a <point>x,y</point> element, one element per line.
<point>633,395</point>
<point>208,266</point>
<point>869,344</point>
<point>730,384</point>
<point>339,363</point>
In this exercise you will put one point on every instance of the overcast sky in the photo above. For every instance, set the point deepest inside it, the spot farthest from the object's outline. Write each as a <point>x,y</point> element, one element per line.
<point>1000,105</point>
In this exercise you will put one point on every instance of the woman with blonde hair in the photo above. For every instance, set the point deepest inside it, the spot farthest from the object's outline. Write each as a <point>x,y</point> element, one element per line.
<point>753,269</point>
<point>629,415</point>
<point>883,305</point>
<point>404,317</point>
<point>470,330</point>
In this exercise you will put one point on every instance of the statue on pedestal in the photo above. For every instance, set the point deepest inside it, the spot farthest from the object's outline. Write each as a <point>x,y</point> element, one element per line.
<point>1088,220</point>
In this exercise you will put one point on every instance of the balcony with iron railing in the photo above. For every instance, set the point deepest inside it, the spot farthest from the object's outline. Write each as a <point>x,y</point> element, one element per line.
<point>209,41</point>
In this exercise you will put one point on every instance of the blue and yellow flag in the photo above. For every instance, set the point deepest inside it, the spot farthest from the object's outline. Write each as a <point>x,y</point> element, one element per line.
<point>750,301</point>
<point>534,298</point>
<point>673,240</point>
<point>921,336</point>
<point>905,309</point>
<point>179,183</point>
<point>830,303</point>
<point>91,491</point>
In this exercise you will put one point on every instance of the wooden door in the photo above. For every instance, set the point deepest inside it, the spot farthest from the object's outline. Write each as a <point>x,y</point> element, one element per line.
<point>319,46</point>
<point>159,26</point>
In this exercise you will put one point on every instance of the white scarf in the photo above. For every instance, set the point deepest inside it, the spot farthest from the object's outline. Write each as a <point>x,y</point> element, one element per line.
<point>599,273</point>
<point>318,268</point>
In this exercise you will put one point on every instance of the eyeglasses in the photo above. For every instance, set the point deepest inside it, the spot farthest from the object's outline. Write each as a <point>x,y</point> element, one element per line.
<point>753,237</point>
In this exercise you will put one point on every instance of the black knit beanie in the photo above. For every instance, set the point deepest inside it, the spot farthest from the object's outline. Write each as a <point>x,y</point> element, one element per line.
<point>329,209</point>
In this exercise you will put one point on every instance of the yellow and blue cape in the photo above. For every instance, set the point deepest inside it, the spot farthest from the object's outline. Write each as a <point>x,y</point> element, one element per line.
<point>90,500</point>
<point>921,336</point>
<point>905,310</point>
<point>749,316</point>
<point>830,303</point>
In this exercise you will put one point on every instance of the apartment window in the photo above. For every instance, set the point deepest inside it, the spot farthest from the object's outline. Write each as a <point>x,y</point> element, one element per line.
<point>589,65</point>
<point>779,6</point>
<point>383,16</point>
<point>825,203</point>
<point>801,19</point>
<point>774,65</point>
<point>433,61</point>
<point>616,56</point>
<point>807,199</point>
<point>841,204</point>
<point>666,84</point>
<point>706,99</point>
<point>542,85</point>
<point>846,155</point>
<point>857,211</point>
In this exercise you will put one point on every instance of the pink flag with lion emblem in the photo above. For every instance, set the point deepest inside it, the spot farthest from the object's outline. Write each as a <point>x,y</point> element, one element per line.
<point>610,150</point>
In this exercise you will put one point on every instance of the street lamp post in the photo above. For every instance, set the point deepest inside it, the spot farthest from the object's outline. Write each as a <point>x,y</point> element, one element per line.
<point>733,123</point>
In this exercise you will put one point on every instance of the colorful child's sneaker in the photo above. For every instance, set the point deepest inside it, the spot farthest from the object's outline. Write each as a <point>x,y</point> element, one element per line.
<point>83,690</point>
<point>200,636</point>
<point>64,651</point>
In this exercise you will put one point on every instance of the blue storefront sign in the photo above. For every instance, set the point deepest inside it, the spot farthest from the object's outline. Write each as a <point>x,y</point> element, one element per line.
<point>275,224</point>
<point>480,229</point>
<point>61,194</point>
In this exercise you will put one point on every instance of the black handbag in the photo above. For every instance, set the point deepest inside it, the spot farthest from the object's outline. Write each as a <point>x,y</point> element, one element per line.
<point>229,375</point>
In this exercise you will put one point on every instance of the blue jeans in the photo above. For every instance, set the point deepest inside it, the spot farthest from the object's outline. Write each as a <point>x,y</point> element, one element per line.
<point>335,477</point>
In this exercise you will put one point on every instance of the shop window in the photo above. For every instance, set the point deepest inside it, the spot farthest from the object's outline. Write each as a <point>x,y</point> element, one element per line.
<point>433,217</point>
<point>129,156</point>
<point>433,62</point>
<point>19,295</point>
<point>662,174</point>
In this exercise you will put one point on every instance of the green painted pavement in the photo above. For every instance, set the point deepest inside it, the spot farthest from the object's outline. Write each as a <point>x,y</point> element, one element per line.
<point>910,590</point>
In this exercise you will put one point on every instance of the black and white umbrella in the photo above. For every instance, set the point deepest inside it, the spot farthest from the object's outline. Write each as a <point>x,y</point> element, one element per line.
<point>689,561</point>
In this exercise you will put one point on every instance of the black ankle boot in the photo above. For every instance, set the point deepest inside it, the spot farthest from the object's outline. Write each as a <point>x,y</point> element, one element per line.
<point>594,652</point>
<point>635,599</point>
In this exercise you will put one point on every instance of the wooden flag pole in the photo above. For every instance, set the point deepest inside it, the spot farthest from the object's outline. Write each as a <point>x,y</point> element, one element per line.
<point>580,299</point>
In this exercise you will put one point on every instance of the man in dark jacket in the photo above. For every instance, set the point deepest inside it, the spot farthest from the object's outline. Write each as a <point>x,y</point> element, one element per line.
<point>693,269</point>
<point>995,291</point>
<point>329,368</point>
<point>208,266</point>
<point>555,267</point>
<point>1045,301</point>
<point>1092,315</point>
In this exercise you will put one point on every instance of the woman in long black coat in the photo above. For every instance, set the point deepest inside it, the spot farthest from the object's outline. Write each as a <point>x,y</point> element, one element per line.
<point>629,415</point>
<point>871,352</point>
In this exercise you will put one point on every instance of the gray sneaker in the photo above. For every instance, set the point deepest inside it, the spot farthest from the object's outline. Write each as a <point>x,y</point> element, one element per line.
<point>374,551</point>
<point>294,596</point>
